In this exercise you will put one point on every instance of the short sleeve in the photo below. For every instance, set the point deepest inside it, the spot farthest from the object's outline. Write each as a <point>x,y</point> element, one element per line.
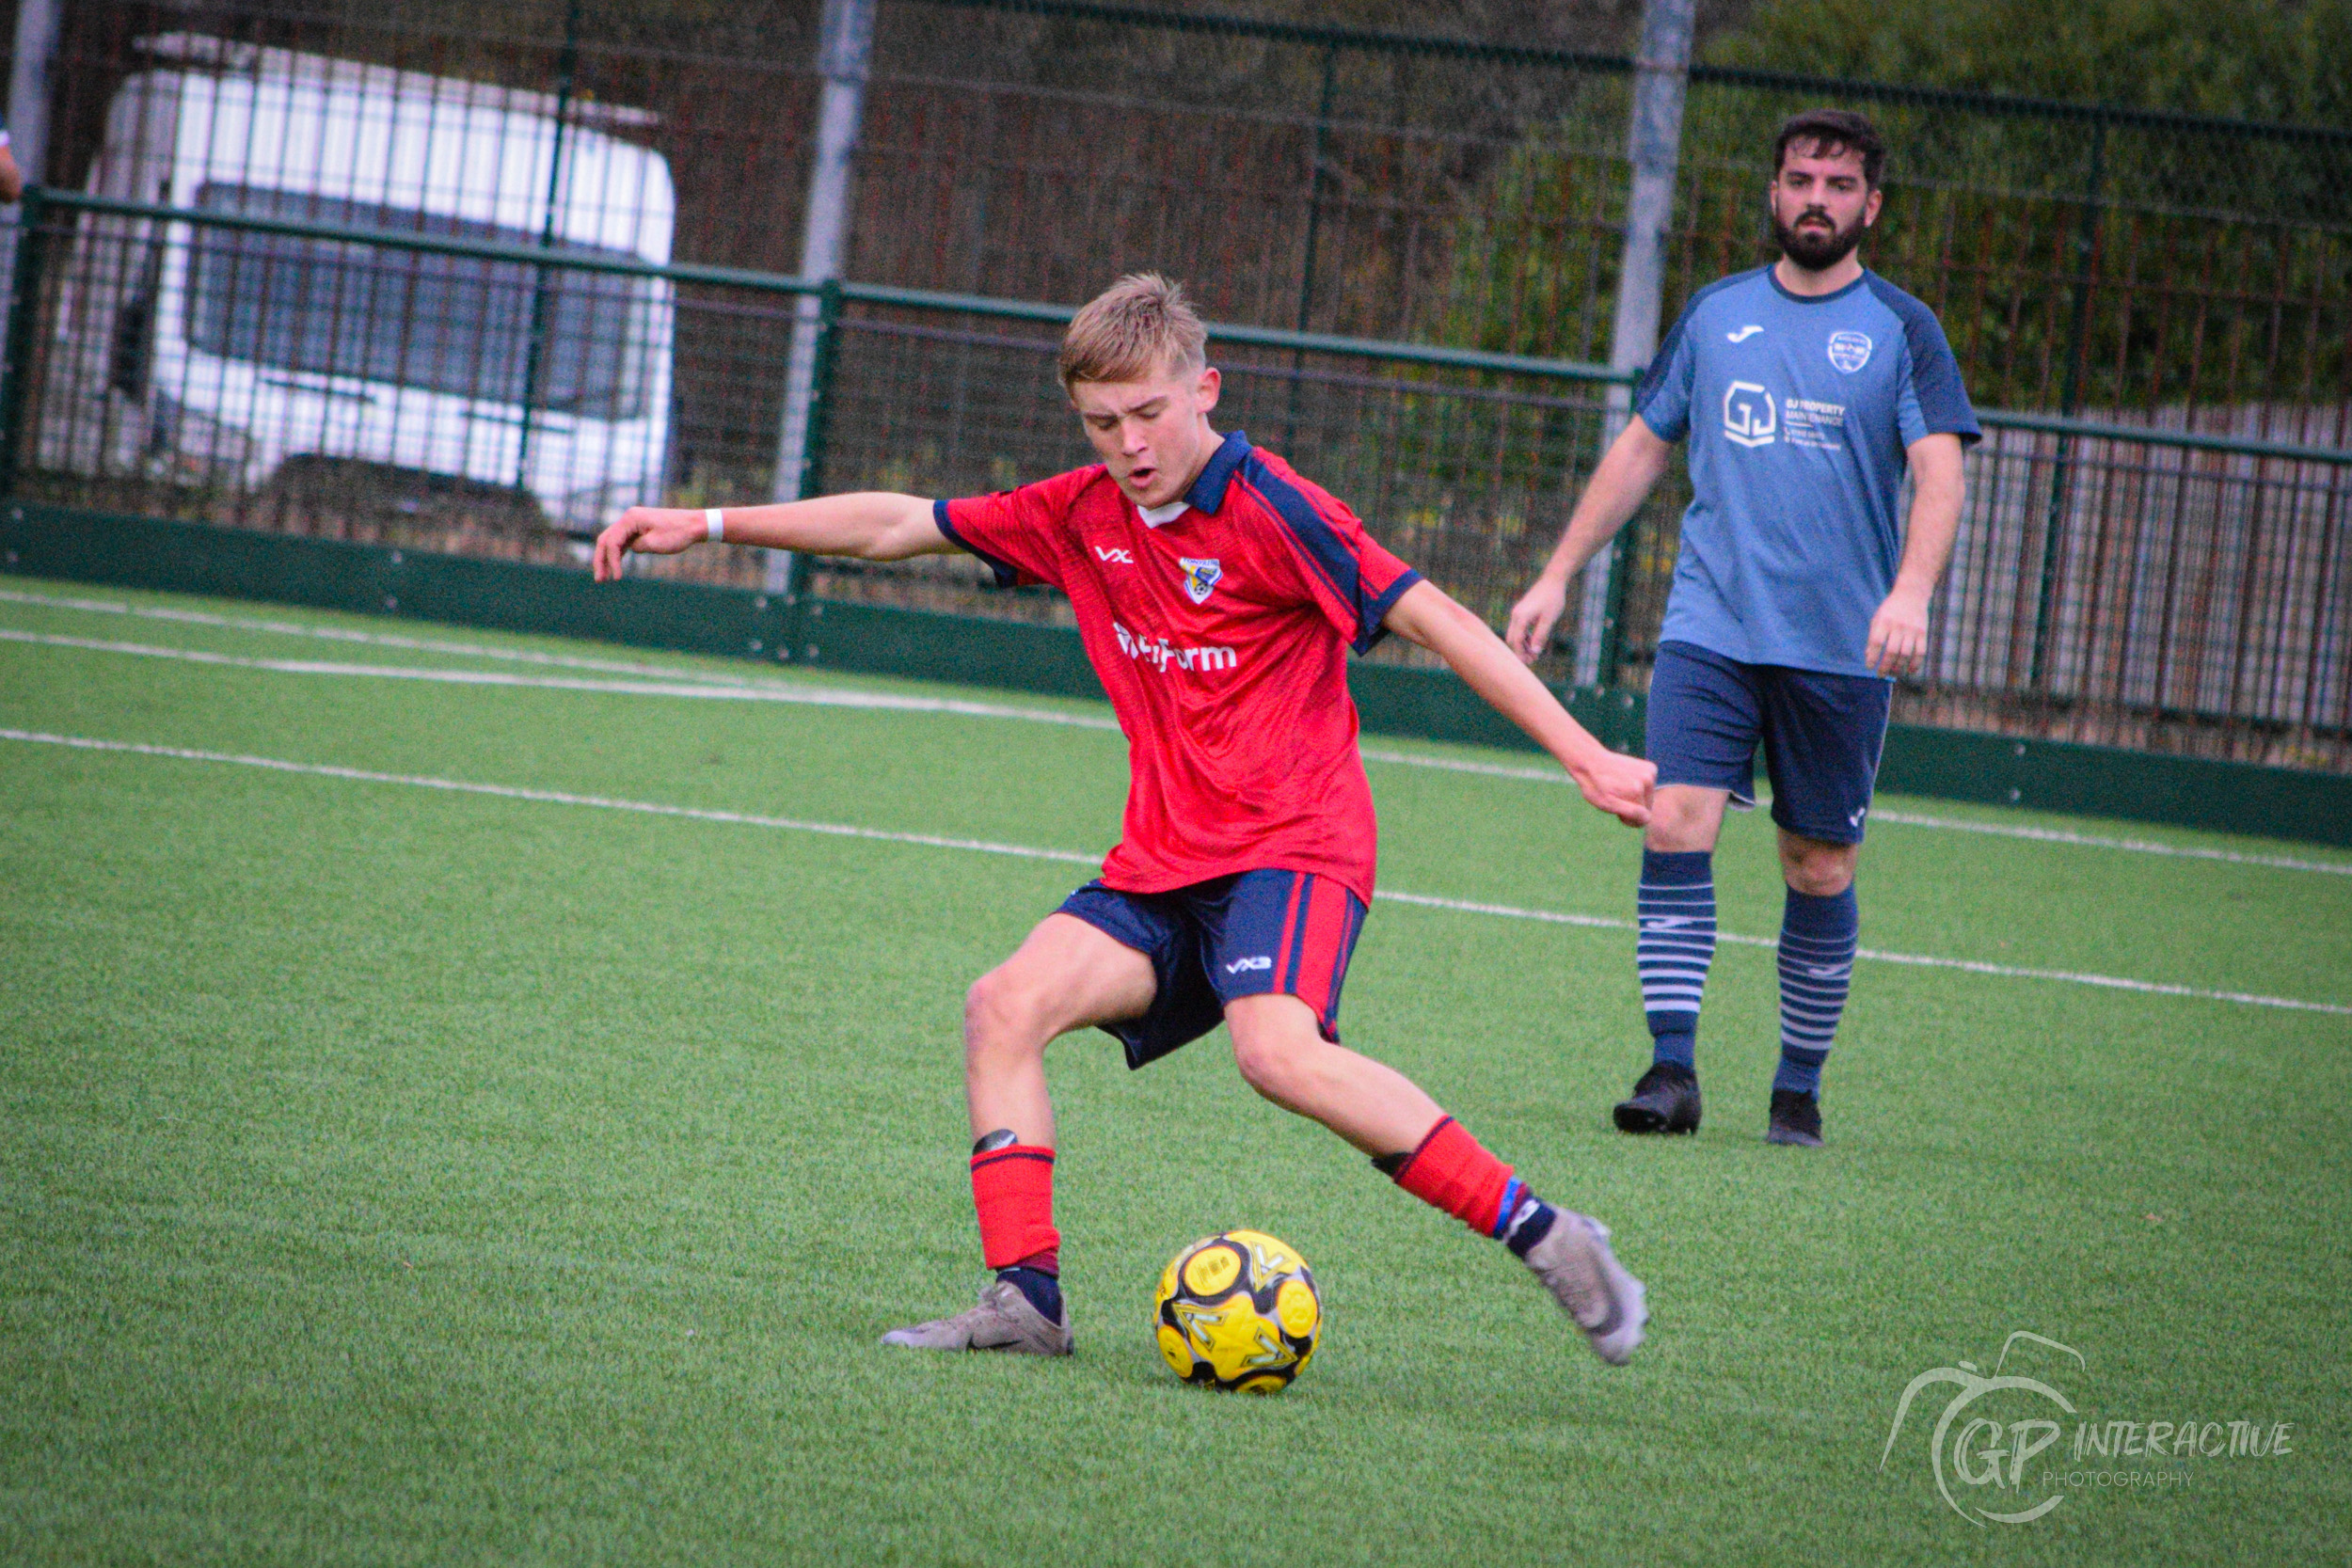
<point>1019,533</point>
<point>1350,577</point>
<point>1662,398</point>
<point>1931,400</point>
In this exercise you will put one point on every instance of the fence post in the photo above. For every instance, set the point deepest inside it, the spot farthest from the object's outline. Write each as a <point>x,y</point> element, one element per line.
<point>1314,227</point>
<point>1613,616</point>
<point>36,22</point>
<point>1662,76</point>
<point>820,418</point>
<point>845,51</point>
<point>2070,400</point>
<point>536,348</point>
<point>824,358</point>
<point>23,327</point>
<point>28,86</point>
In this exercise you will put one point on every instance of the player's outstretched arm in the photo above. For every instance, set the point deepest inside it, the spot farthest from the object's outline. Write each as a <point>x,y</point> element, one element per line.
<point>1635,460</point>
<point>871,525</point>
<point>1620,785</point>
<point>1899,631</point>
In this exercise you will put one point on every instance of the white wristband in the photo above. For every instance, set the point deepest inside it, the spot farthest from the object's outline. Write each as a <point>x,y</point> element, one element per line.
<point>711,519</point>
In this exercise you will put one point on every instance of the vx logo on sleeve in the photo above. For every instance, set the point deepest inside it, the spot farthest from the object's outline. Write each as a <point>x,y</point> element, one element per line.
<point>1749,418</point>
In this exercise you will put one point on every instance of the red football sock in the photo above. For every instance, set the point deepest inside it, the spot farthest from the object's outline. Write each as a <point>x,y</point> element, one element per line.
<point>1012,1187</point>
<point>1450,1171</point>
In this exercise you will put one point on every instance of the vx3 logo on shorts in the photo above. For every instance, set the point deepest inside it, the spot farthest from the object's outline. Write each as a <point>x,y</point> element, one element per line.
<point>1121,557</point>
<point>1743,334</point>
<point>1749,418</point>
<point>1238,965</point>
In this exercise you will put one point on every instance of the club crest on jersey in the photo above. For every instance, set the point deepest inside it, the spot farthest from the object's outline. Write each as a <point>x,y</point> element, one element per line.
<point>1849,351</point>
<point>1200,579</point>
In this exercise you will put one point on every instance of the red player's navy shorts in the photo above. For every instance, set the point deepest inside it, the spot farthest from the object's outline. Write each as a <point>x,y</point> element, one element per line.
<point>1285,933</point>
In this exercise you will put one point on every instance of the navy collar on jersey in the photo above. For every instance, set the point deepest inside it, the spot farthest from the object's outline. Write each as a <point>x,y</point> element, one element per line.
<point>1208,492</point>
<point>1772,273</point>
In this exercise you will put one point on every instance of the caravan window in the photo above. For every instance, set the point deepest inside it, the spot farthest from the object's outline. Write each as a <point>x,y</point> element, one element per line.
<point>449,323</point>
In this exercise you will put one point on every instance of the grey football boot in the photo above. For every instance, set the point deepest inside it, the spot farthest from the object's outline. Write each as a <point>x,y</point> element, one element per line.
<point>1003,1321</point>
<point>1576,1265</point>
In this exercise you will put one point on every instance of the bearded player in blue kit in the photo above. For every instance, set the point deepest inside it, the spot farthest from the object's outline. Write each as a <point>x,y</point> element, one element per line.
<point>1804,389</point>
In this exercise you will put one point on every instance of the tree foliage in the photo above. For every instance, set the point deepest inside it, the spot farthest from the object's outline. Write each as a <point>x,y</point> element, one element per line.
<point>2287,61</point>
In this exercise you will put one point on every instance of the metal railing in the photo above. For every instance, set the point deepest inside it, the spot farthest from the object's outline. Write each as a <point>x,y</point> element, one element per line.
<point>2086,259</point>
<point>2172,589</point>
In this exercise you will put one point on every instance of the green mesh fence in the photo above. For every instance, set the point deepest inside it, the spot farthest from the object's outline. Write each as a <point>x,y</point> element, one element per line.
<point>2131,271</point>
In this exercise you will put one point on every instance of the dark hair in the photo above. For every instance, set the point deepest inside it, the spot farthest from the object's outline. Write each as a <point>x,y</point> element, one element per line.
<point>1832,131</point>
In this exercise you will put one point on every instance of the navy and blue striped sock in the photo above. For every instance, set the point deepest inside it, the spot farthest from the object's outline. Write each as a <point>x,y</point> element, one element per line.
<point>1816,946</point>
<point>1676,909</point>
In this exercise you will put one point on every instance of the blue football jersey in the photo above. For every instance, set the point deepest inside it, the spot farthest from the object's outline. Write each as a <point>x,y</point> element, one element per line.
<point>1798,412</point>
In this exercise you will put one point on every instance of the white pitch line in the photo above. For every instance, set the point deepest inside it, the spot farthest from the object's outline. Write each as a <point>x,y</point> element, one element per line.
<point>676,681</point>
<point>1916,960</point>
<point>816,696</point>
<point>2096,841</point>
<point>1067,856</point>
<point>1554,774</point>
<point>669,680</point>
<point>546,797</point>
<point>689,686</point>
<point>372,639</point>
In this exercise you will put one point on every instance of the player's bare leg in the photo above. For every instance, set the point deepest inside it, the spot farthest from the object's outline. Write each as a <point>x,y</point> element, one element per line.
<point>1066,976</point>
<point>1284,1057</point>
<point>1684,817</point>
<point>1816,868</point>
<point>1820,927</point>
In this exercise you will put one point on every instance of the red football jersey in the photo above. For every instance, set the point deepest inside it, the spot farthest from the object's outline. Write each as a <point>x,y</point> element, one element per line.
<point>1222,638</point>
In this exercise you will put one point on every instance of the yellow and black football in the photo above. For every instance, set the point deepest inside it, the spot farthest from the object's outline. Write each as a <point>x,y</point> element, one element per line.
<point>1238,1310</point>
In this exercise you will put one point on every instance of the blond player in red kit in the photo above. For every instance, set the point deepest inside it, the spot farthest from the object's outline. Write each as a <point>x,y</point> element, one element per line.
<point>1217,593</point>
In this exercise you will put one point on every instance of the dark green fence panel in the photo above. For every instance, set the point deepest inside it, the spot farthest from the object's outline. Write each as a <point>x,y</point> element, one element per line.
<point>148,553</point>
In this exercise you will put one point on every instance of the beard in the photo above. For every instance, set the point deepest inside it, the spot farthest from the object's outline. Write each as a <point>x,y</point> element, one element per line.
<point>1816,250</point>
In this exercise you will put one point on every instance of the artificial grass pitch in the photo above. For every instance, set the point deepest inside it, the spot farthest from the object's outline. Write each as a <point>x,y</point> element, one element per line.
<point>396,1175</point>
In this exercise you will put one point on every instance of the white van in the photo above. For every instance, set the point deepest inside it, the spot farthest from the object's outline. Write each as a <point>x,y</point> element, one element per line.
<point>219,356</point>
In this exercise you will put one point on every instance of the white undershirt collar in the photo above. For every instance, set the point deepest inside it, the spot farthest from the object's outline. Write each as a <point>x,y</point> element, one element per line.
<point>1160,516</point>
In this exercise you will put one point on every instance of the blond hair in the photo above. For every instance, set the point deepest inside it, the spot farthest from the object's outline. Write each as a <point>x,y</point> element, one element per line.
<point>1138,327</point>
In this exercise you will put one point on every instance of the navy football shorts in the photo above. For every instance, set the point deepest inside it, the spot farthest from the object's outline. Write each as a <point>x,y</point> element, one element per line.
<point>1255,932</point>
<point>1822,736</point>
